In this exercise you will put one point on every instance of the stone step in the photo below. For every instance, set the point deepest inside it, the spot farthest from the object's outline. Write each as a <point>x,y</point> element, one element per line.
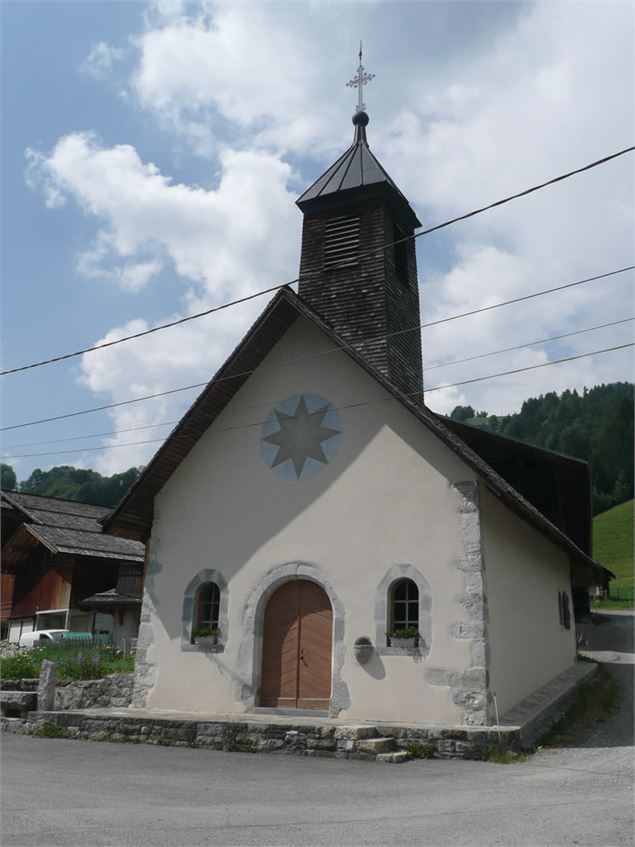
<point>375,745</point>
<point>355,732</point>
<point>394,758</point>
<point>17,702</point>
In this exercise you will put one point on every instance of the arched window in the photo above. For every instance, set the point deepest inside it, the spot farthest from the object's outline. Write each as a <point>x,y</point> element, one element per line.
<point>205,606</point>
<point>403,601</point>
<point>404,606</point>
<point>207,611</point>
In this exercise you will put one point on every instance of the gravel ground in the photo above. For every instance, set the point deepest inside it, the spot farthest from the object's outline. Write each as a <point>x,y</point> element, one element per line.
<point>611,642</point>
<point>78,793</point>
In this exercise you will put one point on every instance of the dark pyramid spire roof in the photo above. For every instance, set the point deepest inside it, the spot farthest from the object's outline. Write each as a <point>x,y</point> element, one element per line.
<point>356,168</point>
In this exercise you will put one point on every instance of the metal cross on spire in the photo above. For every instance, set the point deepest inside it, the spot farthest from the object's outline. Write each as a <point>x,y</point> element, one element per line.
<point>359,82</point>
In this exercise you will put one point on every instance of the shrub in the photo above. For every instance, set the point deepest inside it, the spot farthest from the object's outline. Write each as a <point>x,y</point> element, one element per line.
<point>205,632</point>
<point>407,632</point>
<point>23,666</point>
<point>417,750</point>
<point>49,730</point>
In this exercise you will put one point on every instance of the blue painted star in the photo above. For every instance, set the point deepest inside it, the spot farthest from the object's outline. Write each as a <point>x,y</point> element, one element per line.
<point>300,436</point>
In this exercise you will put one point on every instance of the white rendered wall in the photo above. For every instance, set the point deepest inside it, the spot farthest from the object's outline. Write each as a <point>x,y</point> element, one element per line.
<point>385,499</point>
<point>523,574</point>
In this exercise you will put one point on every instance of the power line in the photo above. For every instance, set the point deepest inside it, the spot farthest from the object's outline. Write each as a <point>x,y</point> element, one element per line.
<point>273,288</point>
<point>338,408</point>
<point>531,367</point>
<point>316,355</point>
<point>260,405</point>
<point>91,435</point>
<point>528,344</point>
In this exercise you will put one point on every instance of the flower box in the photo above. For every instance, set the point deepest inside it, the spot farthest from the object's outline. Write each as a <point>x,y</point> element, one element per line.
<point>403,642</point>
<point>206,641</point>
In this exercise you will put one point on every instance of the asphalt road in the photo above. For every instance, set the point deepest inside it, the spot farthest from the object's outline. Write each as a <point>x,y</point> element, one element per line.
<point>59,792</point>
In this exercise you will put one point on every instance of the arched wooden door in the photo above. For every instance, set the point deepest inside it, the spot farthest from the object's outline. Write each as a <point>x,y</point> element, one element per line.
<point>296,647</point>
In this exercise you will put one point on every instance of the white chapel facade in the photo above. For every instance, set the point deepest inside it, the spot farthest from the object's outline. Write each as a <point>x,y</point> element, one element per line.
<point>309,509</point>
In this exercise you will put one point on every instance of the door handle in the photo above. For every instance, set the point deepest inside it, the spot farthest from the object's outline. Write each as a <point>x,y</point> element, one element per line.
<point>302,654</point>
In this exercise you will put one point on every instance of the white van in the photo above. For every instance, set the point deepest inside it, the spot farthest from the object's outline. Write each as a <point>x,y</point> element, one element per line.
<point>40,637</point>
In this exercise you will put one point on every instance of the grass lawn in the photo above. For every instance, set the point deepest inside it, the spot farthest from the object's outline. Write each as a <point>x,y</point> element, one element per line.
<point>594,702</point>
<point>613,546</point>
<point>73,662</point>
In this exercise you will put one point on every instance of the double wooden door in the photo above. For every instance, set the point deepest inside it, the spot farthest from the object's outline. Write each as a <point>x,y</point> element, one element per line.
<point>296,647</point>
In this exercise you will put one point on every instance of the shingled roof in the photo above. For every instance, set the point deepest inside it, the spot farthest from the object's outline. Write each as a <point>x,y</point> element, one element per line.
<point>66,526</point>
<point>134,514</point>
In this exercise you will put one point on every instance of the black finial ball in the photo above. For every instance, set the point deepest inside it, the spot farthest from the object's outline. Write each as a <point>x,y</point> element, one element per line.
<point>360,119</point>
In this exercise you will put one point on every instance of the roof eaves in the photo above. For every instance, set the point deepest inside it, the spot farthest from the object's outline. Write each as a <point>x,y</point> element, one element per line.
<point>48,544</point>
<point>76,550</point>
<point>17,496</point>
<point>312,191</point>
<point>16,505</point>
<point>555,454</point>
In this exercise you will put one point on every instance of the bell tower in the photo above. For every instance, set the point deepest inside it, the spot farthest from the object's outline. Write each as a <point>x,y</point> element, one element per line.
<point>356,272</point>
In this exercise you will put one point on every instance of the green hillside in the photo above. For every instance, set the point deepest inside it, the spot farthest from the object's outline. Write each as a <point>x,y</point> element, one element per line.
<point>596,426</point>
<point>613,542</point>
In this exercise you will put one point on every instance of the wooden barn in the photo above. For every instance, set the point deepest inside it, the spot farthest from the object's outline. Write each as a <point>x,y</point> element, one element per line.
<point>60,571</point>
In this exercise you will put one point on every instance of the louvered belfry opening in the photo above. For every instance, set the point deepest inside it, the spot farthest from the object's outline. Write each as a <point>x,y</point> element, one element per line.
<point>350,273</point>
<point>341,241</point>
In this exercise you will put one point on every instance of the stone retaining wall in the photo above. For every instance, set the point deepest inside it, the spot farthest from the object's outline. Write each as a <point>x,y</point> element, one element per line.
<point>114,691</point>
<point>349,742</point>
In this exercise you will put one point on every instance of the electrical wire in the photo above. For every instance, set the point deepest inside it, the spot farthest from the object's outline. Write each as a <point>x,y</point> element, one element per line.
<point>428,368</point>
<point>316,355</point>
<point>528,344</point>
<point>338,408</point>
<point>273,288</point>
<point>91,435</point>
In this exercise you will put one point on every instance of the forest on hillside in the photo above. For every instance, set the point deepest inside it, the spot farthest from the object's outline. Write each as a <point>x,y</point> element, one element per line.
<point>596,426</point>
<point>71,483</point>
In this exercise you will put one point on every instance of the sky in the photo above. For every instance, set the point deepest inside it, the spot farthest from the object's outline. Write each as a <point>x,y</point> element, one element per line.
<point>152,154</point>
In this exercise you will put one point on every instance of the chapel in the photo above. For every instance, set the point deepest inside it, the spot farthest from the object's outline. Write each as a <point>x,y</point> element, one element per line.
<point>318,541</point>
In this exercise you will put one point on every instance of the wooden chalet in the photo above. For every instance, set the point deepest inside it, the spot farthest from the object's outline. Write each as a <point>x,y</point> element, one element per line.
<point>60,571</point>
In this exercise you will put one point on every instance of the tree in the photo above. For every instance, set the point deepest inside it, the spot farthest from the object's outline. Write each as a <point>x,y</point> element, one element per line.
<point>82,484</point>
<point>8,480</point>
<point>462,413</point>
<point>596,426</point>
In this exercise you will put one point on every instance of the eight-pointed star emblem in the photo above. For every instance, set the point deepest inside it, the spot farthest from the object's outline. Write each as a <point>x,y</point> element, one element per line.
<point>300,436</point>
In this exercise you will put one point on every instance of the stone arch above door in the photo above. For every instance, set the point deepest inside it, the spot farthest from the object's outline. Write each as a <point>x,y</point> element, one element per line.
<point>248,677</point>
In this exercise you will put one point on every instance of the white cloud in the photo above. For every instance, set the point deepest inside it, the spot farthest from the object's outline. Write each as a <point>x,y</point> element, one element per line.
<point>38,179</point>
<point>100,60</point>
<point>240,67</point>
<point>224,241</point>
<point>530,91</point>
<point>548,98</point>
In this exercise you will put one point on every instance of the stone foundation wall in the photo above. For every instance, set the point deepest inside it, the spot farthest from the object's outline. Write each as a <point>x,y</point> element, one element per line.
<point>114,691</point>
<point>340,742</point>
